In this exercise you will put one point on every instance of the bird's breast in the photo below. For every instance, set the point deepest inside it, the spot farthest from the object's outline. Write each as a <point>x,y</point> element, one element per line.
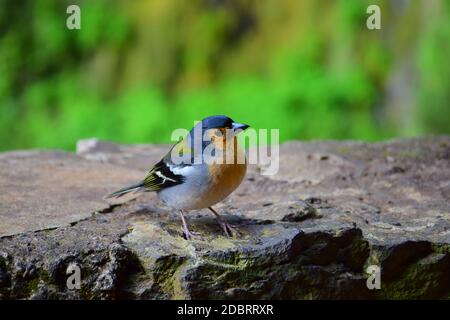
<point>205,185</point>
<point>226,176</point>
<point>223,180</point>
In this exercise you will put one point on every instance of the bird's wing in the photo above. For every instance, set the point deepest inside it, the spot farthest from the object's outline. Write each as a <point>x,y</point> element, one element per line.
<point>162,176</point>
<point>165,173</point>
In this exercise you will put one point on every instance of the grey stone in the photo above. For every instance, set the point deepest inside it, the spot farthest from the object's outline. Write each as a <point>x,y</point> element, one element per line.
<point>308,232</point>
<point>48,189</point>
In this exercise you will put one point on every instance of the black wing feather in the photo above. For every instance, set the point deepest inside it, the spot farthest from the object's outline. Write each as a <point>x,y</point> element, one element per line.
<point>161,177</point>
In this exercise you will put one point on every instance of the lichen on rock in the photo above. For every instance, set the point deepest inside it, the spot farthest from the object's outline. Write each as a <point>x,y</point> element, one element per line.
<point>308,232</point>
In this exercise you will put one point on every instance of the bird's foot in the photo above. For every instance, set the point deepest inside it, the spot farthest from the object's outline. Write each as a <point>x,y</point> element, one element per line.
<point>229,229</point>
<point>189,235</point>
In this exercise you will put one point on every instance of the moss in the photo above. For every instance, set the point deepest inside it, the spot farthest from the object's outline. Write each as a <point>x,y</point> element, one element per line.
<point>408,154</point>
<point>222,242</point>
<point>374,258</point>
<point>29,287</point>
<point>344,150</point>
<point>167,274</point>
<point>415,284</point>
<point>269,232</point>
<point>441,248</point>
<point>426,279</point>
<point>176,284</point>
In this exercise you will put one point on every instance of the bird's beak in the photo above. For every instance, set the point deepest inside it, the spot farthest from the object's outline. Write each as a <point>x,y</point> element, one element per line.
<point>239,126</point>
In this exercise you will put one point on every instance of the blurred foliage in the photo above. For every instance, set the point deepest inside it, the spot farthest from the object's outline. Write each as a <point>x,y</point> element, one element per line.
<point>139,69</point>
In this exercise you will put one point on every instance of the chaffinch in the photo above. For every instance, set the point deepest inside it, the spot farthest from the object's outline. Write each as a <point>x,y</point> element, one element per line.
<point>203,178</point>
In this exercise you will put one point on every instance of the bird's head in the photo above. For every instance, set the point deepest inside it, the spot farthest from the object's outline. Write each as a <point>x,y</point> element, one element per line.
<point>221,126</point>
<point>219,130</point>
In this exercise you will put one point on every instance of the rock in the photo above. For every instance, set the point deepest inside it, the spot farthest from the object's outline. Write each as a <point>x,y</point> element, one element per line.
<point>308,232</point>
<point>48,189</point>
<point>300,212</point>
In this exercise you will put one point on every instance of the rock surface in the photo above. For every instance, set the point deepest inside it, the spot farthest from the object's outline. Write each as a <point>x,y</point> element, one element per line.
<point>308,232</point>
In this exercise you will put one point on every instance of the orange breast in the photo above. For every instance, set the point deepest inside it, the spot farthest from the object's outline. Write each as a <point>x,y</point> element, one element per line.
<point>226,177</point>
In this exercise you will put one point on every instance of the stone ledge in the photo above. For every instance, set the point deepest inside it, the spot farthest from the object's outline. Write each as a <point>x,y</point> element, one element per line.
<point>308,232</point>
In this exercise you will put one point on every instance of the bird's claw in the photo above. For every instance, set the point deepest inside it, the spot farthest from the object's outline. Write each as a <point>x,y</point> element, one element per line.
<point>229,229</point>
<point>189,235</point>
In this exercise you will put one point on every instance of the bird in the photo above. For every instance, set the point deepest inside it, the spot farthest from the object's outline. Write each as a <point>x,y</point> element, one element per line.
<point>203,178</point>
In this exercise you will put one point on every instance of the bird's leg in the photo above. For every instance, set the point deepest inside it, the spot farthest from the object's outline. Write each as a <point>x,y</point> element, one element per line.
<point>227,228</point>
<point>187,234</point>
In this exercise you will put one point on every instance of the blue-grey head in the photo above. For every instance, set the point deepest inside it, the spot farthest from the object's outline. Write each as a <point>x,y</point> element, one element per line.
<point>219,125</point>
<point>222,122</point>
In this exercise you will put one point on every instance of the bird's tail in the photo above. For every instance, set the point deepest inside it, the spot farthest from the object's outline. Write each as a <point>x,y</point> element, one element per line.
<point>133,188</point>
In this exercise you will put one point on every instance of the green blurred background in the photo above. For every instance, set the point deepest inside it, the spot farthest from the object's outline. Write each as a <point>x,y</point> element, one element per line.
<point>138,69</point>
